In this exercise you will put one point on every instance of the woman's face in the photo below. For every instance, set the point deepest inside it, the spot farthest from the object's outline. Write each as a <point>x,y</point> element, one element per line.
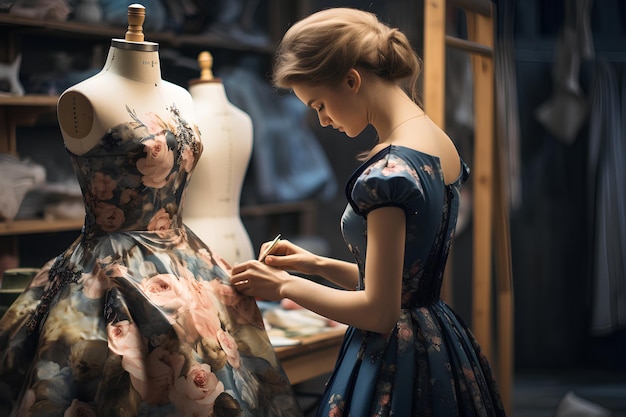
<point>336,106</point>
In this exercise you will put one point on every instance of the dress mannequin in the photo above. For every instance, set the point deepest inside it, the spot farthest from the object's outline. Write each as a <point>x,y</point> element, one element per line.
<point>212,206</point>
<point>131,75</point>
<point>137,316</point>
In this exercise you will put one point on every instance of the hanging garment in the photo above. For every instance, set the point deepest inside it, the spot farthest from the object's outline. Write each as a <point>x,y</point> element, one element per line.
<point>287,160</point>
<point>607,182</point>
<point>565,112</point>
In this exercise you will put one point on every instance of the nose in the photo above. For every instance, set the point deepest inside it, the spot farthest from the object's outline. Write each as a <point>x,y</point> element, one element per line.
<point>324,120</point>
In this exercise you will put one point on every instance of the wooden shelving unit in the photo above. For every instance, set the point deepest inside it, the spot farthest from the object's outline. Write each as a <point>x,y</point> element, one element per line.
<point>24,227</point>
<point>16,111</point>
<point>20,111</point>
<point>23,25</point>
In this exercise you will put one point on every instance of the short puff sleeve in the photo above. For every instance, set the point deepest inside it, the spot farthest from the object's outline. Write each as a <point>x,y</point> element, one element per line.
<point>390,181</point>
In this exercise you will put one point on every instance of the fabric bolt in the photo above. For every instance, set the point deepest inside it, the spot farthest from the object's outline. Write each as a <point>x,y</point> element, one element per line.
<point>430,363</point>
<point>137,318</point>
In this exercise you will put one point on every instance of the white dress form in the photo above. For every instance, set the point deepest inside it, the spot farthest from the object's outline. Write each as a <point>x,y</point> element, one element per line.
<point>212,202</point>
<point>136,317</point>
<point>130,78</point>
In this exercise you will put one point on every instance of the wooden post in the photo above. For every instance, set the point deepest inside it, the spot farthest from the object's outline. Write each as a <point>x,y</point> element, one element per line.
<point>480,30</point>
<point>435,87</point>
<point>435,60</point>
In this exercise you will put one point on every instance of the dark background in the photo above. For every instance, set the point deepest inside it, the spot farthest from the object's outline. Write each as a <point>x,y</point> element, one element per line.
<point>550,228</point>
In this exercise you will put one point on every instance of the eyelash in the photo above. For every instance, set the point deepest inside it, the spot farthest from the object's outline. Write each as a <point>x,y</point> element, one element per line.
<point>320,108</point>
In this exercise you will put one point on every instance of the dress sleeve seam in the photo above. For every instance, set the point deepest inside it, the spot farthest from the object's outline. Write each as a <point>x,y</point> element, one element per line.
<point>364,213</point>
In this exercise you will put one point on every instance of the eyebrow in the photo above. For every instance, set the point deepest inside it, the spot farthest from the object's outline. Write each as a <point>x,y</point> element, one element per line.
<point>310,103</point>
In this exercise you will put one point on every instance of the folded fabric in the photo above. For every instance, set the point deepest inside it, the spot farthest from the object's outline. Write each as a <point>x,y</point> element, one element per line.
<point>573,406</point>
<point>295,319</point>
<point>16,179</point>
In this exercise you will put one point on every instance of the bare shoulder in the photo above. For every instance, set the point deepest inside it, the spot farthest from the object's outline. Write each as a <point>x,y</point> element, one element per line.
<point>426,137</point>
<point>449,158</point>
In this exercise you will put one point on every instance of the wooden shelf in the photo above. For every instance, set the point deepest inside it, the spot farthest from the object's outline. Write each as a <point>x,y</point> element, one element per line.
<point>96,31</point>
<point>21,111</point>
<point>28,100</point>
<point>22,227</point>
<point>19,227</point>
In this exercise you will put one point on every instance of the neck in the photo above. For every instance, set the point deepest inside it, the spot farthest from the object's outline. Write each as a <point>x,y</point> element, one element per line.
<point>211,90</point>
<point>137,61</point>
<point>390,108</point>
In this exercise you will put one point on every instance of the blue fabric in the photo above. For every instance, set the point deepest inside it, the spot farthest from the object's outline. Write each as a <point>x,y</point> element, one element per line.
<point>288,163</point>
<point>115,12</point>
<point>430,363</point>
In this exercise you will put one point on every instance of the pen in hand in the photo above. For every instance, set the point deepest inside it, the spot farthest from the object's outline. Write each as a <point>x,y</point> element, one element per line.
<point>269,249</point>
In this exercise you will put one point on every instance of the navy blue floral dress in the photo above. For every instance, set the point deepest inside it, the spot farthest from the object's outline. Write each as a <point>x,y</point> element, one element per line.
<point>430,363</point>
<point>137,318</point>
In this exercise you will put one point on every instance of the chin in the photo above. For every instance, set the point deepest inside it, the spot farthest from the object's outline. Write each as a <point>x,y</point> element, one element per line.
<point>354,135</point>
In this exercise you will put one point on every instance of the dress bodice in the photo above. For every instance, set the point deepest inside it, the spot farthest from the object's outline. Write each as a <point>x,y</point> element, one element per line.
<point>136,175</point>
<point>412,180</point>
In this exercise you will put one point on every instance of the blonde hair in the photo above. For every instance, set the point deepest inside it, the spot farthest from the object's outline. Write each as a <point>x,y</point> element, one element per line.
<point>323,47</point>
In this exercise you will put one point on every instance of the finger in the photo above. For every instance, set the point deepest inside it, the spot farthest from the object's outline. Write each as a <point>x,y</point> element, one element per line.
<point>238,268</point>
<point>241,286</point>
<point>227,266</point>
<point>273,247</point>
<point>283,247</point>
<point>271,260</point>
<point>278,261</point>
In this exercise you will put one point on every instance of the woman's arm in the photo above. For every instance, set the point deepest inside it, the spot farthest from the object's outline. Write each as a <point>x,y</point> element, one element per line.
<point>291,257</point>
<point>377,308</point>
<point>344,274</point>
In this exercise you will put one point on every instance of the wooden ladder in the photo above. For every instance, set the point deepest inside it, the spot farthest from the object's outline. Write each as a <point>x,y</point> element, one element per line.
<point>491,259</point>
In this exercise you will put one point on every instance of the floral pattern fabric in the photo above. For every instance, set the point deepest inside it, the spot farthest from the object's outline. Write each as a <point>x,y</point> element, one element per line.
<point>137,317</point>
<point>430,363</point>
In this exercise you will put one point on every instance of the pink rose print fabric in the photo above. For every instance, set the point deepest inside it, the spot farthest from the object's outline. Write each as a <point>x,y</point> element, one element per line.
<point>136,318</point>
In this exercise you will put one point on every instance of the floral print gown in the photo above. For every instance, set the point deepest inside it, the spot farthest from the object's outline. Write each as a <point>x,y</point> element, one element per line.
<point>430,363</point>
<point>137,318</point>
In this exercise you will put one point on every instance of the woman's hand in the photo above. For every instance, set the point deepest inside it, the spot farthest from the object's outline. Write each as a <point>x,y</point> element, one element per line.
<point>259,280</point>
<point>290,257</point>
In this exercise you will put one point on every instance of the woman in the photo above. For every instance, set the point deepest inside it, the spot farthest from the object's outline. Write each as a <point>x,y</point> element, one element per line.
<point>406,353</point>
